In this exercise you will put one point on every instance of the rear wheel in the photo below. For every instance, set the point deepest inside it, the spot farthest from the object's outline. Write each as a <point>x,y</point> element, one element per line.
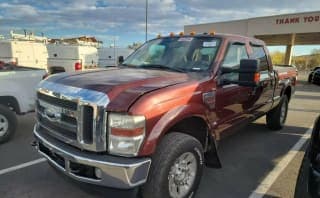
<point>277,116</point>
<point>176,167</point>
<point>8,123</point>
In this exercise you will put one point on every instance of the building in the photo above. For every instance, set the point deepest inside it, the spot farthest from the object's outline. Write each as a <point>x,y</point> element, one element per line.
<point>288,29</point>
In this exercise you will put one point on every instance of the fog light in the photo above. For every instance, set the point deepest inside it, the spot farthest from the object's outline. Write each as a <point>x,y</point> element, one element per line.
<point>98,173</point>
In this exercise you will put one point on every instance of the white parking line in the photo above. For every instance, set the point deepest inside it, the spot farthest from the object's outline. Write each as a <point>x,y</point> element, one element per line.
<point>267,182</point>
<point>20,166</point>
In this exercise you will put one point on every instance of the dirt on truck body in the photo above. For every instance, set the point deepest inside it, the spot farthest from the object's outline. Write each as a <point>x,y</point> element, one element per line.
<point>154,121</point>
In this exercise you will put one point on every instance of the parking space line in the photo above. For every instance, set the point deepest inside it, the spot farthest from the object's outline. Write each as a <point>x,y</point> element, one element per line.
<point>20,166</point>
<point>268,181</point>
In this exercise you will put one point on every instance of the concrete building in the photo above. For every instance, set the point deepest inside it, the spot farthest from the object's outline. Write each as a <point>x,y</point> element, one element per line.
<point>288,29</point>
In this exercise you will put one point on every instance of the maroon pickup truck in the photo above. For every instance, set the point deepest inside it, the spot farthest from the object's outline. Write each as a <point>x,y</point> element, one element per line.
<point>155,120</point>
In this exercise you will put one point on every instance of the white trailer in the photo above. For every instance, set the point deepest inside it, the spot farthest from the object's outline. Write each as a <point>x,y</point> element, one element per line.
<point>24,50</point>
<point>69,55</point>
<point>109,56</point>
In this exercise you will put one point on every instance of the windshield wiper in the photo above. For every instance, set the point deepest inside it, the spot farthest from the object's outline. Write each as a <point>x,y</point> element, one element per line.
<point>157,66</point>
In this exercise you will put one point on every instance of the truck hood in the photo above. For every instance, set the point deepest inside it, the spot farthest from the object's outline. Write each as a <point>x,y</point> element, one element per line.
<point>122,85</point>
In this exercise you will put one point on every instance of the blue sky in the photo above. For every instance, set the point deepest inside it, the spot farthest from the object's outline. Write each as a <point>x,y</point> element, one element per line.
<point>124,20</point>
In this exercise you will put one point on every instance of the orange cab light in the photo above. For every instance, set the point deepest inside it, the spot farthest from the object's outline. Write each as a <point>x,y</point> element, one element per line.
<point>171,34</point>
<point>126,132</point>
<point>159,36</point>
<point>212,33</point>
<point>192,33</point>
<point>181,33</point>
<point>257,77</point>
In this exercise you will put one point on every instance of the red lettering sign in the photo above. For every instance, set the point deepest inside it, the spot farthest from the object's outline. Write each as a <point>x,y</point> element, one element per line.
<point>295,20</point>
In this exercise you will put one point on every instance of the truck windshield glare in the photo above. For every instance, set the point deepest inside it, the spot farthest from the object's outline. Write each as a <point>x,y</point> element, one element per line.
<point>176,54</point>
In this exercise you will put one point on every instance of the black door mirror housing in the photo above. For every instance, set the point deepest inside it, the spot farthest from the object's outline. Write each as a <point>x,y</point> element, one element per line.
<point>120,60</point>
<point>249,74</point>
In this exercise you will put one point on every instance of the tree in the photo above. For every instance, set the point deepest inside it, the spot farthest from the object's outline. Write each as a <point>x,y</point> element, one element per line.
<point>277,57</point>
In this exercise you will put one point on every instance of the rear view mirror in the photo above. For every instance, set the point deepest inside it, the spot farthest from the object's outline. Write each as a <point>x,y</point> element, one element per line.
<point>249,74</point>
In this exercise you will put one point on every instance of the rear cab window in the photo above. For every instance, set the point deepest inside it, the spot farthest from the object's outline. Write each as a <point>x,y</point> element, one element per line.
<point>259,53</point>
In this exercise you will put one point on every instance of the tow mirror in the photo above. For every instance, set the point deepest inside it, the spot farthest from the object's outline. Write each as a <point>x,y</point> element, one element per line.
<point>249,74</point>
<point>120,60</point>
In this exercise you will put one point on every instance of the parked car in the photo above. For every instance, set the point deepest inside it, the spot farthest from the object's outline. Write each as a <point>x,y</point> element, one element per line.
<point>25,50</point>
<point>17,95</point>
<point>308,183</point>
<point>314,76</point>
<point>74,54</point>
<point>155,120</point>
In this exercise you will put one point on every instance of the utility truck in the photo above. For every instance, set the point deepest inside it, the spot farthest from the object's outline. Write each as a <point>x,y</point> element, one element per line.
<point>25,50</point>
<point>73,54</point>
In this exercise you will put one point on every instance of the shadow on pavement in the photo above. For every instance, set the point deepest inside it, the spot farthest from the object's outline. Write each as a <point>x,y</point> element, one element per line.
<point>247,157</point>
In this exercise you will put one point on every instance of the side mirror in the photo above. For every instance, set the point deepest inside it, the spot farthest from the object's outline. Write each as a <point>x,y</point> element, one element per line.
<point>249,74</point>
<point>120,59</point>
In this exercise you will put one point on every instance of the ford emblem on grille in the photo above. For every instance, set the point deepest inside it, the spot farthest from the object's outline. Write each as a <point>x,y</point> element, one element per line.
<point>52,114</point>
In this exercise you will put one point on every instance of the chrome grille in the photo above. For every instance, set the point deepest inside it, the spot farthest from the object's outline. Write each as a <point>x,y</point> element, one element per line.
<point>73,115</point>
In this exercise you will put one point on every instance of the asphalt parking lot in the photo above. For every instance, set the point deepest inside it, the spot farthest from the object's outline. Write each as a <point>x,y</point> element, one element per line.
<point>256,162</point>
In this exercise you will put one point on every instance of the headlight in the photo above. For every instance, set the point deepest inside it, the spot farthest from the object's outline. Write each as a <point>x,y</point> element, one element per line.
<point>126,134</point>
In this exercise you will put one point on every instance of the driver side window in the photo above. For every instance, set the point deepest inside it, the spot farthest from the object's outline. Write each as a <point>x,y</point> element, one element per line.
<point>231,61</point>
<point>235,53</point>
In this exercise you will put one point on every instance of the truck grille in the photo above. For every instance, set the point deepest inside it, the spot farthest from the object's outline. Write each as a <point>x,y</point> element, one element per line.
<point>71,119</point>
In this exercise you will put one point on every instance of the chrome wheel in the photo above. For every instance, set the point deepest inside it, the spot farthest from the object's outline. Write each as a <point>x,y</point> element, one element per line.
<point>4,125</point>
<point>283,112</point>
<point>182,175</point>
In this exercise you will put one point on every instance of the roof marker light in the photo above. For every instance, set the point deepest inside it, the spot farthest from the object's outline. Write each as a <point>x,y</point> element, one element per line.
<point>181,33</point>
<point>171,34</point>
<point>192,33</point>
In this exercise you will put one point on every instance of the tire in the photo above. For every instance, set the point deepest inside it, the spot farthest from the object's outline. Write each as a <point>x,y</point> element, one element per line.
<point>164,168</point>
<point>276,118</point>
<point>301,190</point>
<point>310,79</point>
<point>8,123</point>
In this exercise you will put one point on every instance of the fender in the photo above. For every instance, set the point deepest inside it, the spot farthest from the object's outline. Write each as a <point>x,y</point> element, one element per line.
<point>173,117</point>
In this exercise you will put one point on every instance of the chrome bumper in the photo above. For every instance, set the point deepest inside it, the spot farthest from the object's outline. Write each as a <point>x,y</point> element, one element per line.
<point>115,172</point>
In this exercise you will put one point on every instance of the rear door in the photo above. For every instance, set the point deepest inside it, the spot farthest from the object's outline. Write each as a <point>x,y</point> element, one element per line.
<point>262,96</point>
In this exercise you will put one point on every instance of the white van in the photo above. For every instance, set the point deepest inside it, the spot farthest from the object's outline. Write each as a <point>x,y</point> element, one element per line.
<point>25,50</point>
<point>109,56</point>
<point>68,55</point>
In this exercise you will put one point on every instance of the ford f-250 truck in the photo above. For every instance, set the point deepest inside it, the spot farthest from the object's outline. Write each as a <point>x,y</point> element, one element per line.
<point>155,121</point>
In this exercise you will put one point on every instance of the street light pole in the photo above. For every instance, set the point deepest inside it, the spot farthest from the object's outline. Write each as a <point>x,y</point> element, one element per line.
<point>146,20</point>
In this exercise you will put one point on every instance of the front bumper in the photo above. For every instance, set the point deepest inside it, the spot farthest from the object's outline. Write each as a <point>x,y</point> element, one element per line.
<point>94,168</point>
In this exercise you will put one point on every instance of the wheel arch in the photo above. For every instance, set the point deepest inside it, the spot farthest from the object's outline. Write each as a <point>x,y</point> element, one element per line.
<point>187,121</point>
<point>11,102</point>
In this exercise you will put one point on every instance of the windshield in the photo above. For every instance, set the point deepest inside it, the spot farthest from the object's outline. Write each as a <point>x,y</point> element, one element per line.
<point>176,53</point>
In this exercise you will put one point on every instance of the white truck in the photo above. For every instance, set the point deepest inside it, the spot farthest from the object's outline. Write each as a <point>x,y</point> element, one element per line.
<point>75,54</point>
<point>108,56</point>
<point>17,95</point>
<point>26,50</point>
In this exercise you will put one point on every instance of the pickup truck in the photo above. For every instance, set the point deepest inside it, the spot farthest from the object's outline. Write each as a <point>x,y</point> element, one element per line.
<point>156,120</point>
<point>17,95</point>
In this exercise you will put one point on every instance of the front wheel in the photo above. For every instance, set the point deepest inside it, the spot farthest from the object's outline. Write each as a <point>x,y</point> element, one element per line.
<point>8,123</point>
<point>176,167</point>
<point>277,116</point>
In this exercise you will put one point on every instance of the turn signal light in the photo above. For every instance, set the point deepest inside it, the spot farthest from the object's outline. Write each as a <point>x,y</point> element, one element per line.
<point>257,77</point>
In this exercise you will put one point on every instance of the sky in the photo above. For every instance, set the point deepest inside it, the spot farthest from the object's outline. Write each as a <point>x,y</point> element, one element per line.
<point>124,20</point>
